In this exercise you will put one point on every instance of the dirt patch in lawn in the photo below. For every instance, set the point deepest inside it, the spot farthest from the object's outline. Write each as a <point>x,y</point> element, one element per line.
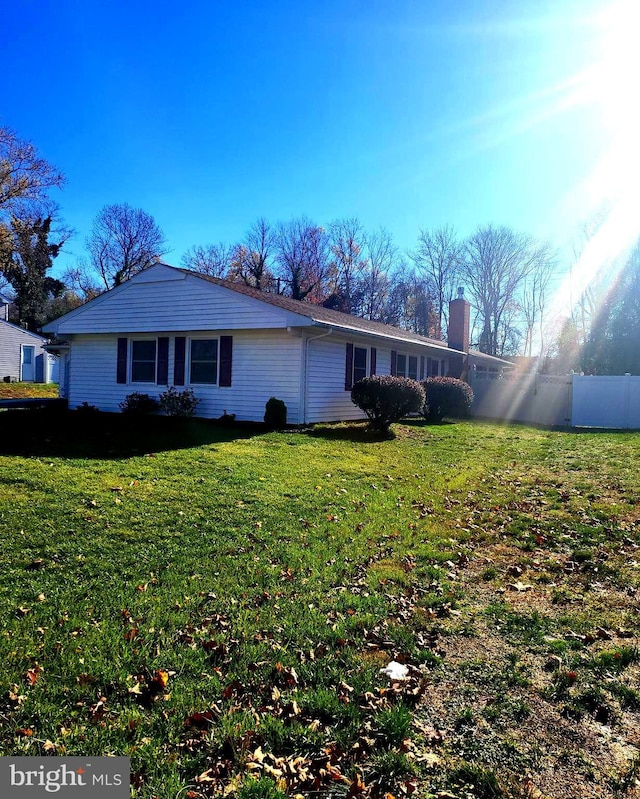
<point>537,695</point>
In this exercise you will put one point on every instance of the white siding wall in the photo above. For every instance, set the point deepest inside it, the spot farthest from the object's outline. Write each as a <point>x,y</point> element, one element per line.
<point>266,363</point>
<point>11,339</point>
<point>327,401</point>
<point>172,305</point>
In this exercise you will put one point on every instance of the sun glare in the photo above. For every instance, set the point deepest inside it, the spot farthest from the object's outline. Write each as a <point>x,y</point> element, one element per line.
<point>615,88</point>
<point>609,86</point>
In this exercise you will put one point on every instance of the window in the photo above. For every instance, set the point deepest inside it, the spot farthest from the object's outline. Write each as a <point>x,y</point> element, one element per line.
<point>143,361</point>
<point>407,366</point>
<point>203,364</point>
<point>357,359</point>
<point>359,363</point>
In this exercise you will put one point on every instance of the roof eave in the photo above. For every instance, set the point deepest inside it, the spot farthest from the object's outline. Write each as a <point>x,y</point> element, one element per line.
<point>387,336</point>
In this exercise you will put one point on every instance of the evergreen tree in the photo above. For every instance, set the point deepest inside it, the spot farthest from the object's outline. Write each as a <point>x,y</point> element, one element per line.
<point>613,345</point>
<point>25,264</point>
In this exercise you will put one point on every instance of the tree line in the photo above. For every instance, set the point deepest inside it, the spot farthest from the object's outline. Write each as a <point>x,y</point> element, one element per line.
<point>507,276</point>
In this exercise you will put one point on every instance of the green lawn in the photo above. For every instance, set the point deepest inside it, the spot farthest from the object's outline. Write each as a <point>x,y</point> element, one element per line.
<point>26,390</point>
<point>217,604</point>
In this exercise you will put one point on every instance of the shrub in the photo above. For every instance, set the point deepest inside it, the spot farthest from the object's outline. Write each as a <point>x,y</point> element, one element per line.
<point>386,399</point>
<point>87,410</point>
<point>178,403</point>
<point>275,413</point>
<point>446,396</point>
<point>138,404</point>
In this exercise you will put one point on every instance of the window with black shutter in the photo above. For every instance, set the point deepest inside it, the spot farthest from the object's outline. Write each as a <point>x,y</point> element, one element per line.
<point>359,363</point>
<point>143,360</point>
<point>203,364</point>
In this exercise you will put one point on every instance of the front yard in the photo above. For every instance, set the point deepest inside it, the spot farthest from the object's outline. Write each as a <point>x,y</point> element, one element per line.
<point>219,606</point>
<point>27,390</point>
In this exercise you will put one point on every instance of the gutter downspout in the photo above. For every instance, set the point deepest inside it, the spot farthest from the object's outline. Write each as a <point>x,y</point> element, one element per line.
<point>305,370</point>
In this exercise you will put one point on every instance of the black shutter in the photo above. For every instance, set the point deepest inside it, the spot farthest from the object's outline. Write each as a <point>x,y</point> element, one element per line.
<point>178,365</point>
<point>422,367</point>
<point>121,368</point>
<point>163,360</point>
<point>372,362</point>
<point>348,368</point>
<point>226,352</point>
<point>394,362</point>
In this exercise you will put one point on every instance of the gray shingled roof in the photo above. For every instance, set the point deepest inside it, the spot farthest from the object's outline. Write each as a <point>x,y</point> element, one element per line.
<point>318,313</point>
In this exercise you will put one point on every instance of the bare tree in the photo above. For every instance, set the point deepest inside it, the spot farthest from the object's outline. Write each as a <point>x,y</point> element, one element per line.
<point>438,258</point>
<point>409,302</point>
<point>496,263</point>
<point>252,261</point>
<point>534,299</point>
<point>346,240</point>
<point>302,258</point>
<point>25,177</point>
<point>213,260</point>
<point>81,280</point>
<point>123,242</point>
<point>381,256</point>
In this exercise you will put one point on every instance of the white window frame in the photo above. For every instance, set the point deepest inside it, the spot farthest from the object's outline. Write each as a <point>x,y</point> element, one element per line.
<point>405,371</point>
<point>133,341</point>
<point>191,382</point>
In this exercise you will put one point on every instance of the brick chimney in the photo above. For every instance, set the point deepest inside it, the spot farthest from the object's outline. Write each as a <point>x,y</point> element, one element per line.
<point>459,332</point>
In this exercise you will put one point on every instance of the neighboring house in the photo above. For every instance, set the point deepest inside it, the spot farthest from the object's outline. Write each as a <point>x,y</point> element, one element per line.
<point>236,347</point>
<point>22,354</point>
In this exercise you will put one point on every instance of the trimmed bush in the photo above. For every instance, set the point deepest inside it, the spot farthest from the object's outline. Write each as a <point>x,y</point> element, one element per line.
<point>446,396</point>
<point>139,404</point>
<point>178,403</point>
<point>386,399</point>
<point>87,411</point>
<point>275,414</point>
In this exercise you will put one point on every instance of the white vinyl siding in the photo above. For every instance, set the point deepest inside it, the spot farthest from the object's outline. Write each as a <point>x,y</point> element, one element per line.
<point>266,363</point>
<point>173,305</point>
<point>327,400</point>
<point>12,338</point>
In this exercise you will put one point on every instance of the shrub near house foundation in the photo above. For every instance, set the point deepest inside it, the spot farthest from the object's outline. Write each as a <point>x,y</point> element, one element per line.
<point>446,396</point>
<point>139,404</point>
<point>275,414</point>
<point>386,399</point>
<point>178,403</point>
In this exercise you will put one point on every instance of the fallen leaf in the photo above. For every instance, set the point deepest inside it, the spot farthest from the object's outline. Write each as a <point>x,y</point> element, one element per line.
<point>33,674</point>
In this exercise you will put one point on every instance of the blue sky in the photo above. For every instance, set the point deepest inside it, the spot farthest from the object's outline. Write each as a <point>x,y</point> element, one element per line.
<point>404,114</point>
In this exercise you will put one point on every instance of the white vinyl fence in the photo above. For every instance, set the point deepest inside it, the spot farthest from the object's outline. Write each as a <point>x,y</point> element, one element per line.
<point>570,401</point>
<point>606,401</point>
<point>535,399</point>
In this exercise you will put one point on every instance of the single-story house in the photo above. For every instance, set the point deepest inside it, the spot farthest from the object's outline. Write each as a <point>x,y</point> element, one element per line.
<point>22,354</point>
<point>236,347</point>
